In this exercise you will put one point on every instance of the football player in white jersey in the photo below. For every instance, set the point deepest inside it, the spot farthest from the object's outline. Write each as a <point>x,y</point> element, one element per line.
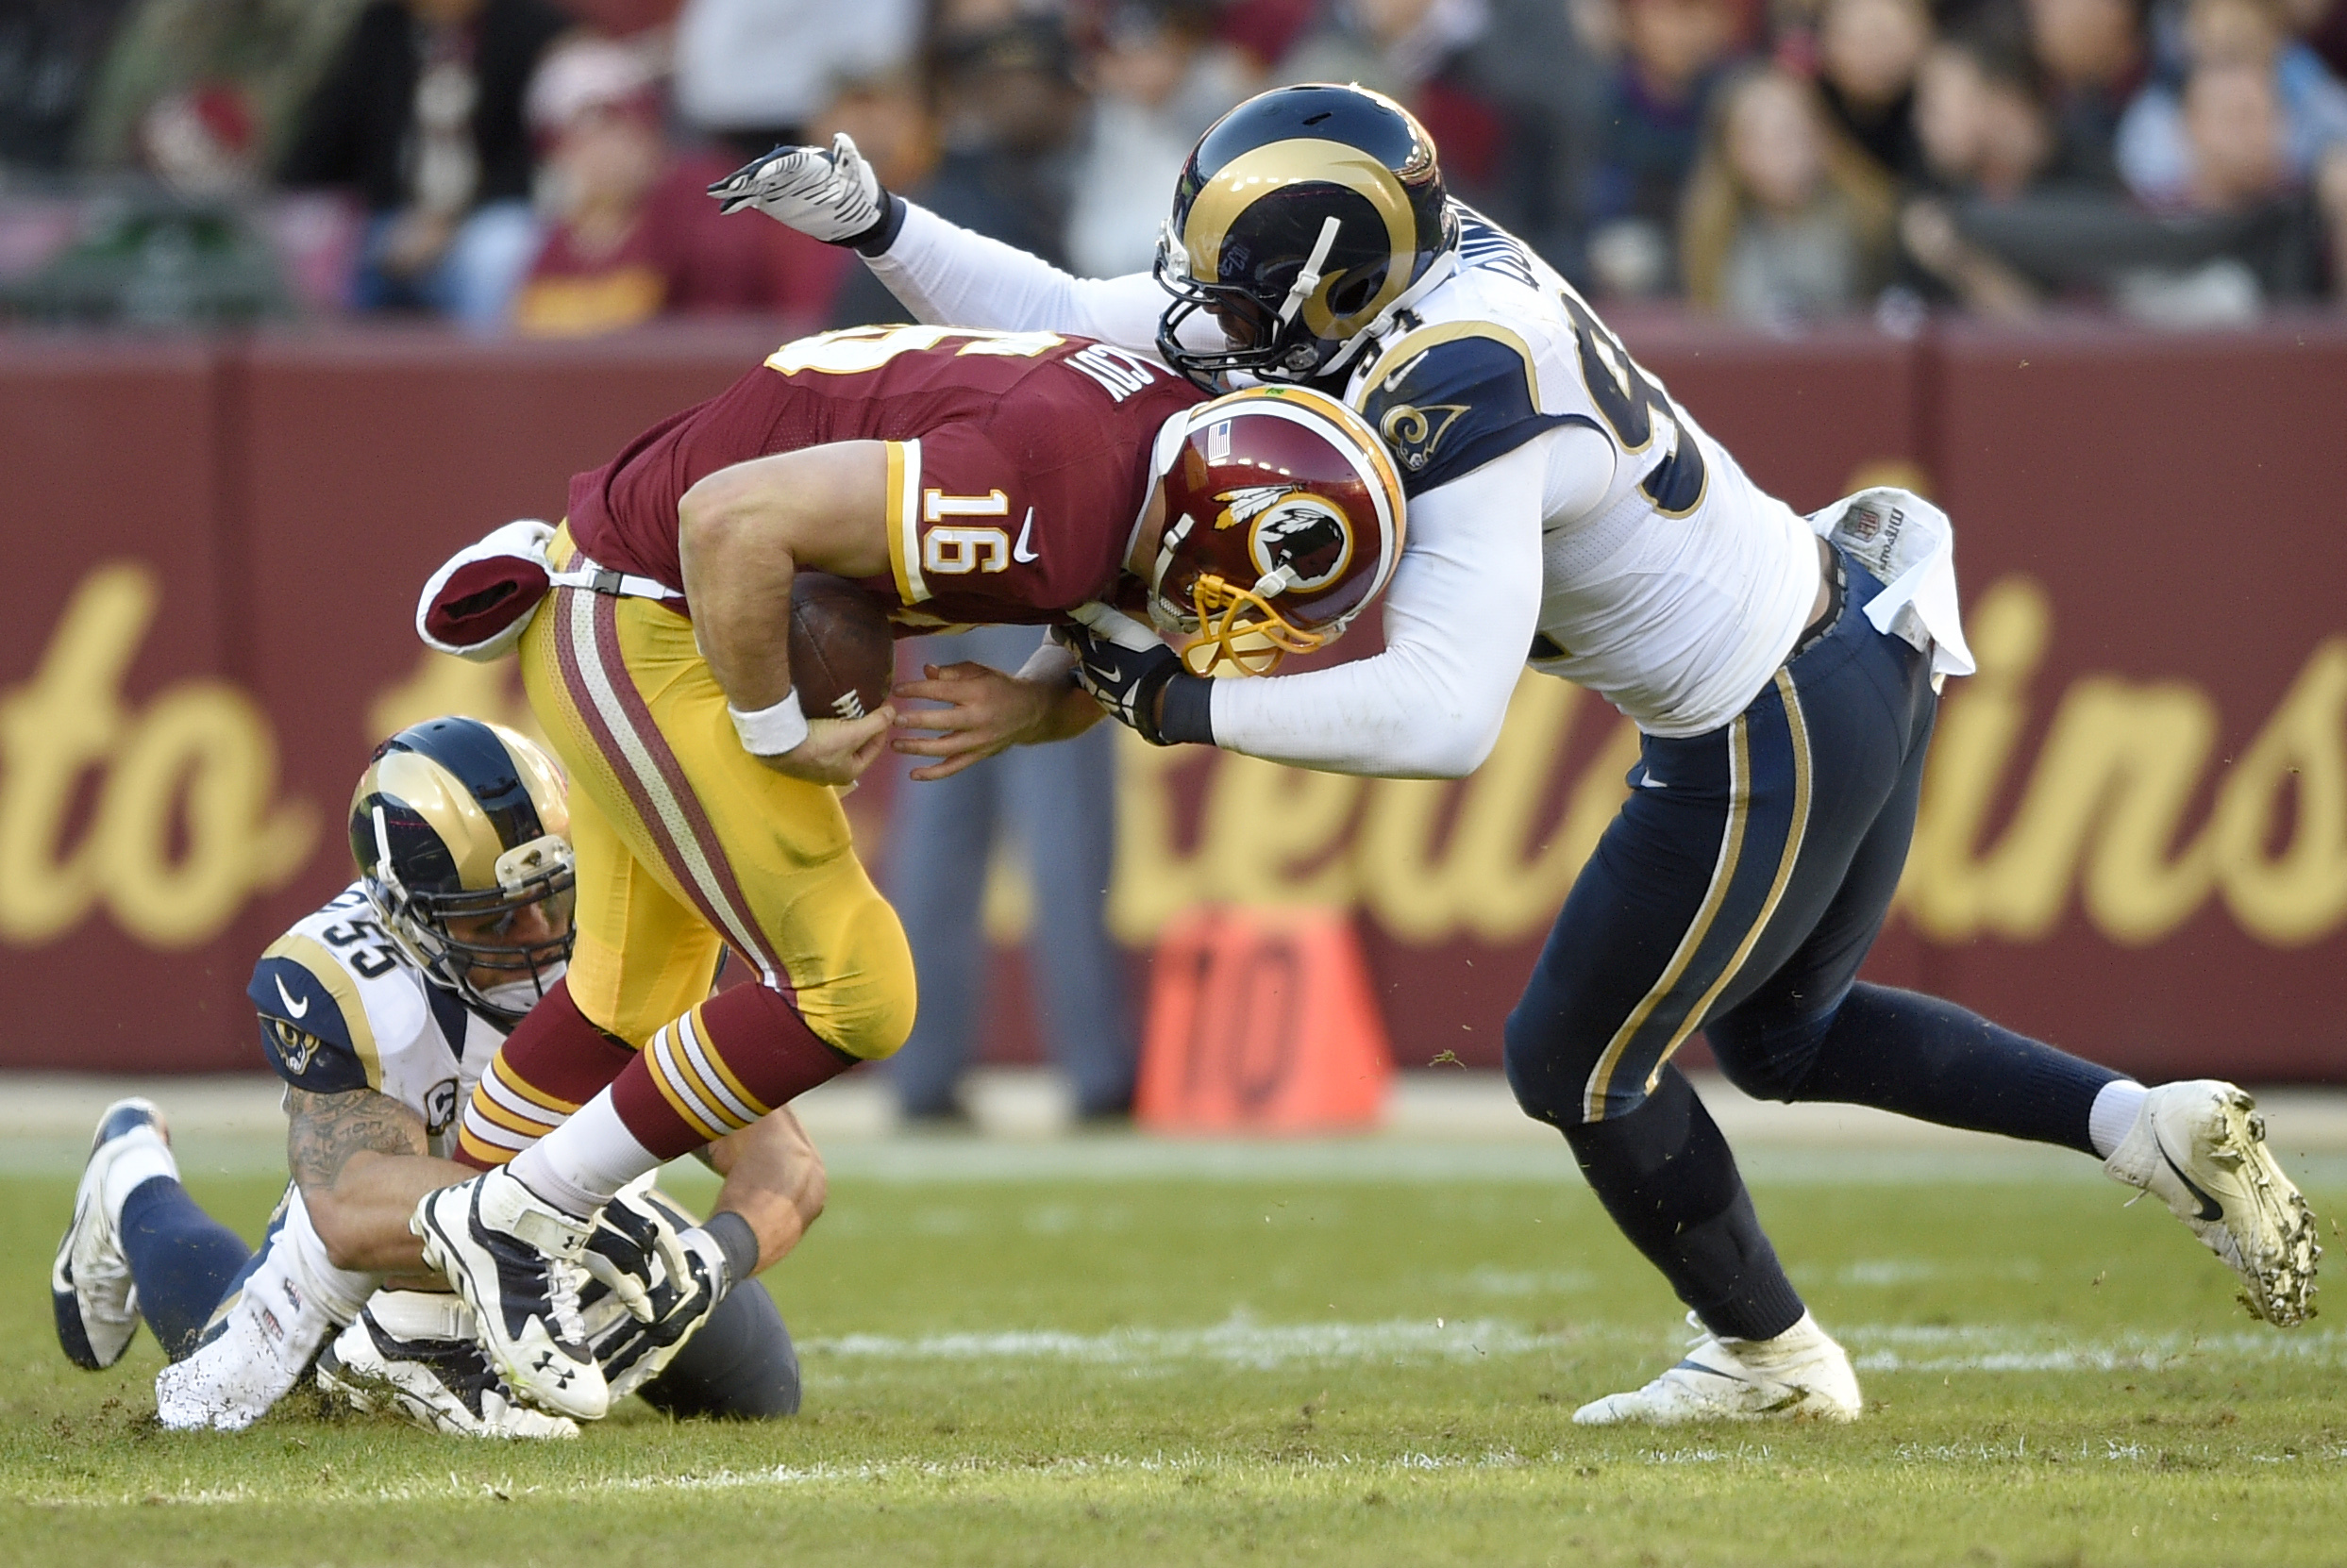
<point>1785,673</point>
<point>381,1011</point>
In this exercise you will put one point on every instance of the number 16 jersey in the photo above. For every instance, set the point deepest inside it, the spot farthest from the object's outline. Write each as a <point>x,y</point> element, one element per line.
<point>1019,463</point>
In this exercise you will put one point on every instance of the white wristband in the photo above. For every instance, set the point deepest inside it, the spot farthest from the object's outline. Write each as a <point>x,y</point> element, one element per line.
<point>771,731</point>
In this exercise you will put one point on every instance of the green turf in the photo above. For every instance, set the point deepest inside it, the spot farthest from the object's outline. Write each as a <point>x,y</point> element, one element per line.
<point>1118,1354</point>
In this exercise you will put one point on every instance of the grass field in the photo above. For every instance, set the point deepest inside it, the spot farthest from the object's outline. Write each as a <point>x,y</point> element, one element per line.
<point>1123,1353</point>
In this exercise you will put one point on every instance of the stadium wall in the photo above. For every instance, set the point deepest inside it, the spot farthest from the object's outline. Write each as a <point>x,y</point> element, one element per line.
<point>2134,839</point>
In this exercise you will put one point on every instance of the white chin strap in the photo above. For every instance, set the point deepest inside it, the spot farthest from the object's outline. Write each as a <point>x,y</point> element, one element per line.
<point>1445,264</point>
<point>1309,280</point>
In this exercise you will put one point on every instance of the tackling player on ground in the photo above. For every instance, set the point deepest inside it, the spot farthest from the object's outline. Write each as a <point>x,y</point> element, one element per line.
<point>1785,673</point>
<point>381,1011</point>
<point>958,476</point>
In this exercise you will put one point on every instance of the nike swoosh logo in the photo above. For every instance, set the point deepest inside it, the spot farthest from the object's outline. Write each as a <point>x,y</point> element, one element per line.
<point>2210,1207</point>
<point>1648,781</point>
<point>293,1009</point>
<point>1020,552</point>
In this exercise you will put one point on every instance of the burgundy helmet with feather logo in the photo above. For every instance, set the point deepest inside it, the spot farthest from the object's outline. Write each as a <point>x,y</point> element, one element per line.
<point>1283,521</point>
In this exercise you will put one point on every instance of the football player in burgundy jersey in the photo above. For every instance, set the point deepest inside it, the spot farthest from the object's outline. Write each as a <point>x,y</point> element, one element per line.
<point>1566,512</point>
<point>961,477</point>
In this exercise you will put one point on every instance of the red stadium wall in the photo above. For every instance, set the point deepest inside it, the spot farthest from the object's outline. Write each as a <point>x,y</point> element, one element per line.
<point>2134,836</point>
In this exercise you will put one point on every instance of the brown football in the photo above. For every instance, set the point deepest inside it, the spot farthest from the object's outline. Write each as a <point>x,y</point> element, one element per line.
<point>842,654</point>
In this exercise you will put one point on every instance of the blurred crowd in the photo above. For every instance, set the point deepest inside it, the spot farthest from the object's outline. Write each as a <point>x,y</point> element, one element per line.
<point>536,166</point>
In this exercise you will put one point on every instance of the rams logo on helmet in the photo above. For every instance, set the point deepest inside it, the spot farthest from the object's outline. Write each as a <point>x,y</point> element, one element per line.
<point>1296,538</point>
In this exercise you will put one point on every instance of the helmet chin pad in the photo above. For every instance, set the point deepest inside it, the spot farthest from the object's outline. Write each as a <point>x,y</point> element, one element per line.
<point>1228,613</point>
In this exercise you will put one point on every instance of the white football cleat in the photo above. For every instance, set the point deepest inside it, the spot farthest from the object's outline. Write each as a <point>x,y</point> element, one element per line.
<point>89,1285</point>
<point>1799,1375</point>
<point>2199,1146</point>
<point>514,1258</point>
<point>412,1354</point>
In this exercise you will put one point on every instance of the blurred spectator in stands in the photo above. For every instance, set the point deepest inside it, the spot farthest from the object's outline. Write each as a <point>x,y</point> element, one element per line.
<point>1867,55</point>
<point>998,151</point>
<point>207,93</point>
<point>421,115</point>
<point>1672,54</point>
<point>1266,31</point>
<point>756,72</point>
<point>1509,93</point>
<point>2096,56</point>
<point>1058,805</point>
<point>1159,79</point>
<point>1008,110</point>
<point>889,117</point>
<point>1985,136</point>
<point>2158,151</point>
<point>631,233</point>
<point>1785,220</point>
<point>51,53</point>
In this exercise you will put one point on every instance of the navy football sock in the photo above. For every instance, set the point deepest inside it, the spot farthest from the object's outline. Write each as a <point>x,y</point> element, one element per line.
<point>182,1259</point>
<point>1932,1059</point>
<point>1665,1175</point>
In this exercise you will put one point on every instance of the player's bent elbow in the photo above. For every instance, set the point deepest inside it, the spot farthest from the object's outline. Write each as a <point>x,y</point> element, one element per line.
<point>1450,750</point>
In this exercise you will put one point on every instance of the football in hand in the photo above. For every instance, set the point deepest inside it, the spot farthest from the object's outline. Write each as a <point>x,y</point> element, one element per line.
<point>843,653</point>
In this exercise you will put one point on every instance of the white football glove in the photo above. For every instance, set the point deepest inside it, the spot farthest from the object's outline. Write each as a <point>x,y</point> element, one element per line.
<point>656,1278</point>
<point>833,196</point>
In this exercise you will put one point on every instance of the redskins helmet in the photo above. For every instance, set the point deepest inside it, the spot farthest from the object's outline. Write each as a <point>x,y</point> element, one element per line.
<point>454,820</point>
<point>1305,218</point>
<point>1284,520</point>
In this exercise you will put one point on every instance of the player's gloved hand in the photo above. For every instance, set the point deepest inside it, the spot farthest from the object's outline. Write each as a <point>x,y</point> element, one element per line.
<point>1128,670</point>
<point>656,1278</point>
<point>829,194</point>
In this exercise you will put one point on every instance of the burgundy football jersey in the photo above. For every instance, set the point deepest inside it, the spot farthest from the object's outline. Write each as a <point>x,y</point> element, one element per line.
<point>1018,462</point>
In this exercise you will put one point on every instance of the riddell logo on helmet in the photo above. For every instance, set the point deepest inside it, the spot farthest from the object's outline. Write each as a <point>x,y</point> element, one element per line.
<point>1295,534</point>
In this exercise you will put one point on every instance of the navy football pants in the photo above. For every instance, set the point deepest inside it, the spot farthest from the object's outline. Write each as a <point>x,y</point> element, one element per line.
<point>1738,893</point>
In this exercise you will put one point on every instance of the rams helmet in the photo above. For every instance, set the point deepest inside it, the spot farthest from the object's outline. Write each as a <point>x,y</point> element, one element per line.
<point>1283,521</point>
<point>1305,217</point>
<point>458,826</point>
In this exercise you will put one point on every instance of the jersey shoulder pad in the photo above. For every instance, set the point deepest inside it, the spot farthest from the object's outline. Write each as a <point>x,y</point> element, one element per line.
<point>330,1014</point>
<point>1451,397</point>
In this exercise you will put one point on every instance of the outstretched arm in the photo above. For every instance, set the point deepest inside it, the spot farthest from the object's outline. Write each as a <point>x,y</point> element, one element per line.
<point>358,1159</point>
<point>1459,620</point>
<point>949,276</point>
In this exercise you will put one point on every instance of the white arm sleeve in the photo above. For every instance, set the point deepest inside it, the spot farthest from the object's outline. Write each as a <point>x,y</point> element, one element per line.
<point>1459,620</point>
<point>949,276</point>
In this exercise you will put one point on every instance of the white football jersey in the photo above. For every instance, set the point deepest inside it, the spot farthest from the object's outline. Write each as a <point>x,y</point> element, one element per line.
<point>1677,595</point>
<point>342,1007</point>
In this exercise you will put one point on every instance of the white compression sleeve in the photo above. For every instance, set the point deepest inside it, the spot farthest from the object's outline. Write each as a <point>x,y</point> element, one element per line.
<point>949,276</point>
<point>1459,620</point>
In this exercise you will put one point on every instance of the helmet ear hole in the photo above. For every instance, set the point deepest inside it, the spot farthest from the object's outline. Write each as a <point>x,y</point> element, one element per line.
<point>1352,294</point>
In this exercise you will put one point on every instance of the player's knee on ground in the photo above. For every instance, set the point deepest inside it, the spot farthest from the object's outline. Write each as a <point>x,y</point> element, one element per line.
<point>741,1366</point>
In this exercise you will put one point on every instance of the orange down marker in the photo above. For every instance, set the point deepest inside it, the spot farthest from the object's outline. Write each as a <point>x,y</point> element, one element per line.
<point>1262,1021</point>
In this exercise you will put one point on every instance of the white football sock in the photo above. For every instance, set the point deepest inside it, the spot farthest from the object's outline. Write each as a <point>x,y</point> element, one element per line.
<point>147,1158</point>
<point>580,1165</point>
<point>2114,1113</point>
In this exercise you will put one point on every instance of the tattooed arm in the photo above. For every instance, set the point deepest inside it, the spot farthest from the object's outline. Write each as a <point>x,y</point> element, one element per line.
<point>359,1160</point>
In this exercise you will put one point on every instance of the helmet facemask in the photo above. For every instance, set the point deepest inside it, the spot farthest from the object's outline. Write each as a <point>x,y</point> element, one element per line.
<point>1224,622</point>
<point>538,874</point>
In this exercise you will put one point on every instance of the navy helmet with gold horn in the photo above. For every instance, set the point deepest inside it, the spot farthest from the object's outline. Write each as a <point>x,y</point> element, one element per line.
<point>460,828</point>
<point>1304,220</point>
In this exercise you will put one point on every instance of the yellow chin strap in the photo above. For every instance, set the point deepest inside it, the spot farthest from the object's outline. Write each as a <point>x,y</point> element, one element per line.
<point>1253,646</point>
